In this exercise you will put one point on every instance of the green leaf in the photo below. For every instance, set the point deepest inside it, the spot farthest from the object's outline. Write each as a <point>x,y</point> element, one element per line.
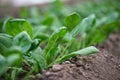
<point>5,42</point>
<point>3,64</point>
<point>48,21</point>
<point>84,26</point>
<point>39,58</point>
<point>15,26</point>
<point>85,51</point>
<point>35,43</point>
<point>14,59</point>
<point>22,40</point>
<point>72,20</point>
<point>53,42</point>
<point>14,56</point>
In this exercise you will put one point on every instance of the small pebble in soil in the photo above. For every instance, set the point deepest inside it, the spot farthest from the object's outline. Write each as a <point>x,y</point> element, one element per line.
<point>87,66</point>
<point>56,68</point>
<point>72,65</point>
<point>79,63</point>
<point>47,73</point>
<point>67,62</point>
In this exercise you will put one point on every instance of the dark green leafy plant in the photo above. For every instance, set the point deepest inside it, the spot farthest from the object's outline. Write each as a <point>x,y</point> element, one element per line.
<point>47,43</point>
<point>21,46</point>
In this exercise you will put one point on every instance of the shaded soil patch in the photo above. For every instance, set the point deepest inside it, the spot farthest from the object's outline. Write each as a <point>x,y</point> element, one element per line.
<point>102,66</point>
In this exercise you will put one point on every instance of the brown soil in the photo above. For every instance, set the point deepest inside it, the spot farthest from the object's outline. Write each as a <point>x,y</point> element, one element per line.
<point>102,66</point>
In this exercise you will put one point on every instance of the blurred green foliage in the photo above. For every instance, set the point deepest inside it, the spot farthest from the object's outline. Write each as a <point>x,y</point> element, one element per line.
<point>54,34</point>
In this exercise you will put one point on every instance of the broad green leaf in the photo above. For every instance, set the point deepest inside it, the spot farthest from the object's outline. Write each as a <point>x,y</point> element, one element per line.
<point>15,59</point>
<point>72,20</point>
<point>22,40</point>
<point>39,57</point>
<point>15,26</point>
<point>5,42</point>
<point>85,51</point>
<point>48,21</point>
<point>11,60</point>
<point>35,43</point>
<point>3,64</point>
<point>53,42</point>
<point>14,56</point>
<point>84,26</point>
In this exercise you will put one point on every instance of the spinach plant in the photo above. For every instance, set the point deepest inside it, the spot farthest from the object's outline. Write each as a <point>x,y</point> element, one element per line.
<point>20,46</point>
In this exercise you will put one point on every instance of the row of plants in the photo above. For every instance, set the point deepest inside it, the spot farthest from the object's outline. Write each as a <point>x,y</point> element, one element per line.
<point>31,45</point>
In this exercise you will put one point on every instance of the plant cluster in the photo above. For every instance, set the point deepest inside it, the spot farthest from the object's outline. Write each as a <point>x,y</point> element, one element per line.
<point>19,46</point>
<point>42,39</point>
